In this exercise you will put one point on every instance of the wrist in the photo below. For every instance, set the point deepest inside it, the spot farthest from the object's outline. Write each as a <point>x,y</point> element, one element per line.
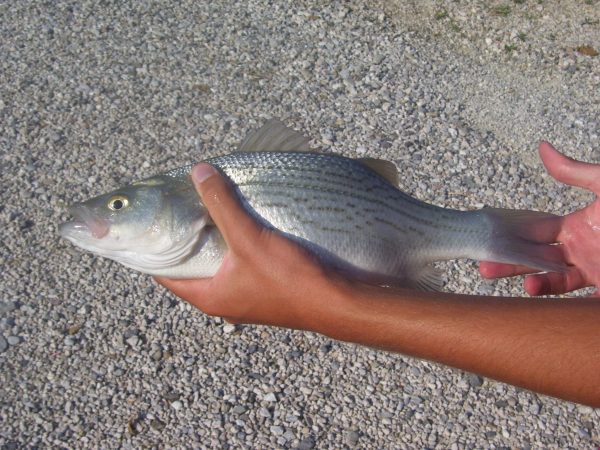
<point>339,308</point>
<point>328,305</point>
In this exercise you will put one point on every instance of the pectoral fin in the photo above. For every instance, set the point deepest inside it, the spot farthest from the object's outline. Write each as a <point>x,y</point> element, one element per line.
<point>428,279</point>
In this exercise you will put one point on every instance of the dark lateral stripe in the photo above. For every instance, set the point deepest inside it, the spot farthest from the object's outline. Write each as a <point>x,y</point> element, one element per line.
<point>341,213</point>
<point>325,170</point>
<point>323,165</point>
<point>342,193</point>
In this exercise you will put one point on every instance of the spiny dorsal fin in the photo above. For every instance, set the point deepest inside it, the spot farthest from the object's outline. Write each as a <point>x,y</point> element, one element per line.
<point>386,169</point>
<point>274,136</point>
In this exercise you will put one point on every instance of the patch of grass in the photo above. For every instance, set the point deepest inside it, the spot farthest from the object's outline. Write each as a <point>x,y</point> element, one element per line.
<point>442,14</point>
<point>454,27</point>
<point>509,48</point>
<point>519,2</point>
<point>501,10</point>
<point>522,36</point>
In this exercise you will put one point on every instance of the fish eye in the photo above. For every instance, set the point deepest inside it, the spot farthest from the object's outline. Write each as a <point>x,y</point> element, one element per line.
<point>118,202</point>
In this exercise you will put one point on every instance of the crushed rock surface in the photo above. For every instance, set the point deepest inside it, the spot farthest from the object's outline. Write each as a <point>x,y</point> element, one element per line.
<point>98,94</point>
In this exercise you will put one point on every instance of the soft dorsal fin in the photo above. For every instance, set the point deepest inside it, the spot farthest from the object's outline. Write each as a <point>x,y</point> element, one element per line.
<point>386,169</point>
<point>274,136</point>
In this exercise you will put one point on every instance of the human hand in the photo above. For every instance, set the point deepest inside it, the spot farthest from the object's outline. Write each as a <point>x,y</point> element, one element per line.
<point>578,232</point>
<point>264,278</point>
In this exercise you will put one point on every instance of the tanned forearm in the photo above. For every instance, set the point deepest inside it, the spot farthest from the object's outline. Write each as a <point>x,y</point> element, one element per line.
<point>549,346</point>
<point>503,338</point>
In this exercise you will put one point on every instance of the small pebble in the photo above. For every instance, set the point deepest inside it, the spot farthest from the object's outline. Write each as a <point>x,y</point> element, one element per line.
<point>475,381</point>
<point>238,409</point>
<point>13,340</point>
<point>276,430</point>
<point>351,438</point>
<point>228,328</point>
<point>6,307</point>
<point>306,444</point>
<point>133,340</point>
<point>534,408</point>
<point>270,397</point>
<point>176,405</point>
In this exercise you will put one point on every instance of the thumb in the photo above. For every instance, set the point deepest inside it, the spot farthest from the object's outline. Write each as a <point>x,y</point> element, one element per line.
<point>569,171</point>
<point>238,228</point>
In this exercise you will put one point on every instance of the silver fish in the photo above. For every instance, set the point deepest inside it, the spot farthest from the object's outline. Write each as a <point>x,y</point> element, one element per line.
<point>348,212</point>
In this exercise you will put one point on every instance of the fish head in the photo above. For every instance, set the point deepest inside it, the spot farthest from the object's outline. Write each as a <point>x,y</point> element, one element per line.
<point>148,225</point>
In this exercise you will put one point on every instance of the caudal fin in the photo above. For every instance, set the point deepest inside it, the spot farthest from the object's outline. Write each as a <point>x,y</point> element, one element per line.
<point>526,238</point>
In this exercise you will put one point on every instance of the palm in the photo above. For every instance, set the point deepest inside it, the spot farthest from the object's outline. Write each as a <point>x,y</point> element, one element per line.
<point>580,236</point>
<point>578,232</point>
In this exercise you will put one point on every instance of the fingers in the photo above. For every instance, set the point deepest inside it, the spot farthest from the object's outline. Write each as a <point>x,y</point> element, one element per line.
<point>235,224</point>
<point>548,253</point>
<point>570,171</point>
<point>551,283</point>
<point>554,283</point>
<point>499,270</point>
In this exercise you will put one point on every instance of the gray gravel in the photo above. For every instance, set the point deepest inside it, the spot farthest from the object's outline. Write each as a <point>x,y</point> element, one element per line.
<point>94,95</point>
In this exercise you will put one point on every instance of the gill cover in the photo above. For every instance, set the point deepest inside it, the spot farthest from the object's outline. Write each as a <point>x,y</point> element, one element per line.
<point>161,252</point>
<point>177,224</point>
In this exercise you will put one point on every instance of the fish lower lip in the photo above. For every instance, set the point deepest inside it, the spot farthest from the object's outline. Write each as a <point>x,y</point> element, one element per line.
<point>79,225</point>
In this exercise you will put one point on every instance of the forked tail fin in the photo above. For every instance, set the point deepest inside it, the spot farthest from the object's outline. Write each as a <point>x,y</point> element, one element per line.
<point>526,238</point>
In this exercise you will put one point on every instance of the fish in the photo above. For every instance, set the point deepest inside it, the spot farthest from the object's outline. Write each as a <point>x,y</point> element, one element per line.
<point>349,213</point>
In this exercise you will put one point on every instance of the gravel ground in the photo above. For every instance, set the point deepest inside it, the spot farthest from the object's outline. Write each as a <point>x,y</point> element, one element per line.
<point>96,94</point>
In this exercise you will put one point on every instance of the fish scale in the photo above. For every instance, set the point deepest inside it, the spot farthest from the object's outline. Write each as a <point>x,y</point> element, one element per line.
<point>348,212</point>
<point>402,227</point>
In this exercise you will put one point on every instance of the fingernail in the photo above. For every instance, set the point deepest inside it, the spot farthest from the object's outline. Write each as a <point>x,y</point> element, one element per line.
<point>202,172</point>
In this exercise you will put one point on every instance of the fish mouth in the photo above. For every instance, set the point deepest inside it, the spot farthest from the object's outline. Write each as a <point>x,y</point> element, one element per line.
<point>84,224</point>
